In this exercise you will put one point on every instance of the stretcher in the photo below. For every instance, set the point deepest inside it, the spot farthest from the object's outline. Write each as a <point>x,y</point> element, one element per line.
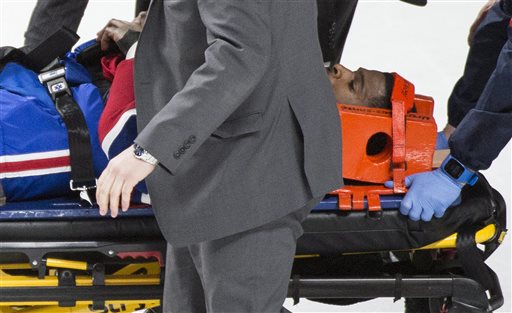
<point>56,256</point>
<point>59,256</point>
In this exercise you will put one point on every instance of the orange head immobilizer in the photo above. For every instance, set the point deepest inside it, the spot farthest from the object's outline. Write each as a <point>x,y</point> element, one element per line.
<point>381,145</point>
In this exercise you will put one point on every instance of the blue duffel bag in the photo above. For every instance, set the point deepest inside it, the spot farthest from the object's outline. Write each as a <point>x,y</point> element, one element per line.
<point>35,137</point>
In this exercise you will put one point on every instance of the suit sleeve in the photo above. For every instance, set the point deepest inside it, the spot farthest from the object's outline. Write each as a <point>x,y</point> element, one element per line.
<point>50,15</point>
<point>487,128</point>
<point>239,38</point>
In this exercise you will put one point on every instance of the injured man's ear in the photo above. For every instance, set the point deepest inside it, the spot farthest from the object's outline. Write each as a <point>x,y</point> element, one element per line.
<point>362,87</point>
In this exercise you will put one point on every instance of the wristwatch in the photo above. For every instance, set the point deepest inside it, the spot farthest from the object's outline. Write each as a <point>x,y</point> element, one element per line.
<point>143,155</point>
<point>458,172</point>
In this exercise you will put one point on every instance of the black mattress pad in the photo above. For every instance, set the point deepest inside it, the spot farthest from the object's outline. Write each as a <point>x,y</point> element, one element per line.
<point>327,231</point>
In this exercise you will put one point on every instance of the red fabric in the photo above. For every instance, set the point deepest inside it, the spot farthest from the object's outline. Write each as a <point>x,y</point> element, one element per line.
<point>109,65</point>
<point>29,165</point>
<point>121,97</point>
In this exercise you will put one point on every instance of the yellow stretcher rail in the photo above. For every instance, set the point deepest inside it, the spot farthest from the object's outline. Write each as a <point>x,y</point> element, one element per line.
<point>73,265</point>
<point>128,275</point>
<point>15,266</point>
<point>123,277</point>
<point>125,306</point>
<point>483,235</point>
<point>7,281</point>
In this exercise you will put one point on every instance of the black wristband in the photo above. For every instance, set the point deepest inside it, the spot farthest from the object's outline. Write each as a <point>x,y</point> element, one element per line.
<point>128,40</point>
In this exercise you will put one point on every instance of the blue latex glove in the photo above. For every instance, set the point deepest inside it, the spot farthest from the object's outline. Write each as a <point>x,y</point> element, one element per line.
<point>441,141</point>
<point>430,194</point>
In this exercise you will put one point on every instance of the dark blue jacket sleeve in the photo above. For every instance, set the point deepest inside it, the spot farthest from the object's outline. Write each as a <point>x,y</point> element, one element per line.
<point>487,128</point>
<point>487,43</point>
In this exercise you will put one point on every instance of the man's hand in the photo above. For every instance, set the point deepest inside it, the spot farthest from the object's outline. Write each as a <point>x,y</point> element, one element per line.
<point>116,29</point>
<point>430,194</point>
<point>481,15</point>
<point>118,180</point>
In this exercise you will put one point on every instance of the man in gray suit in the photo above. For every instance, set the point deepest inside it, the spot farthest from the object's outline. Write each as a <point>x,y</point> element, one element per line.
<point>240,137</point>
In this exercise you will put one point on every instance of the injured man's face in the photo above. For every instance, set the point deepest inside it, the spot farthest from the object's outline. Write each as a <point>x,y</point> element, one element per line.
<point>362,87</point>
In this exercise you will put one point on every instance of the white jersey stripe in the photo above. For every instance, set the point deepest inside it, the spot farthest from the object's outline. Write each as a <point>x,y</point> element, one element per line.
<point>34,156</point>
<point>116,130</point>
<point>46,171</point>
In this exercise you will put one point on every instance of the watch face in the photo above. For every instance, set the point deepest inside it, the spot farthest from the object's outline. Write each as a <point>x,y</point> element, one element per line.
<point>454,168</point>
<point>138,151</point>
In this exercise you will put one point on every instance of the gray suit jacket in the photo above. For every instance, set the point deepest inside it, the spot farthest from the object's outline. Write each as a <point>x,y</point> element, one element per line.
<point>234,102</point>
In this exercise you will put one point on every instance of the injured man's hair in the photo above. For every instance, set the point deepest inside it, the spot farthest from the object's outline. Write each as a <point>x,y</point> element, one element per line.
<point>362,87</point>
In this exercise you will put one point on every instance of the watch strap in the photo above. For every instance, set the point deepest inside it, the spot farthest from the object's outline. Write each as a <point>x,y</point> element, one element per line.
<point>141,154</point>
<point>466,176</point>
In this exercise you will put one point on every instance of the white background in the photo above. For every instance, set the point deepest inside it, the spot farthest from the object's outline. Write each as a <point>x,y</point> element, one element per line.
<point>426,45</point>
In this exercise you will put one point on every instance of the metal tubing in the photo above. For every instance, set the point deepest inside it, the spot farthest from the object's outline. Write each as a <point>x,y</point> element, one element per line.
<point>464,291</point>
<point>96,293</point>
<point>411,287</point>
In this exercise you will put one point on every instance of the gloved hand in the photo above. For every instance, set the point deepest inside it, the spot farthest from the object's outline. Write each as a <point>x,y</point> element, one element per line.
<point>430,194</point>
<point>443,137</point>
<point>441,141</point>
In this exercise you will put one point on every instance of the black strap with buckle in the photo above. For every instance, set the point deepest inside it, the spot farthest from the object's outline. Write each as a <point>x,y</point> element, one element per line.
<point>80,150</point>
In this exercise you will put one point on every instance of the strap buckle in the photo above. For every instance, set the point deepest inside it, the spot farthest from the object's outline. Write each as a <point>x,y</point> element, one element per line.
<point>86,193</point>
<point>55,81</point>
<point>84,187</point>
